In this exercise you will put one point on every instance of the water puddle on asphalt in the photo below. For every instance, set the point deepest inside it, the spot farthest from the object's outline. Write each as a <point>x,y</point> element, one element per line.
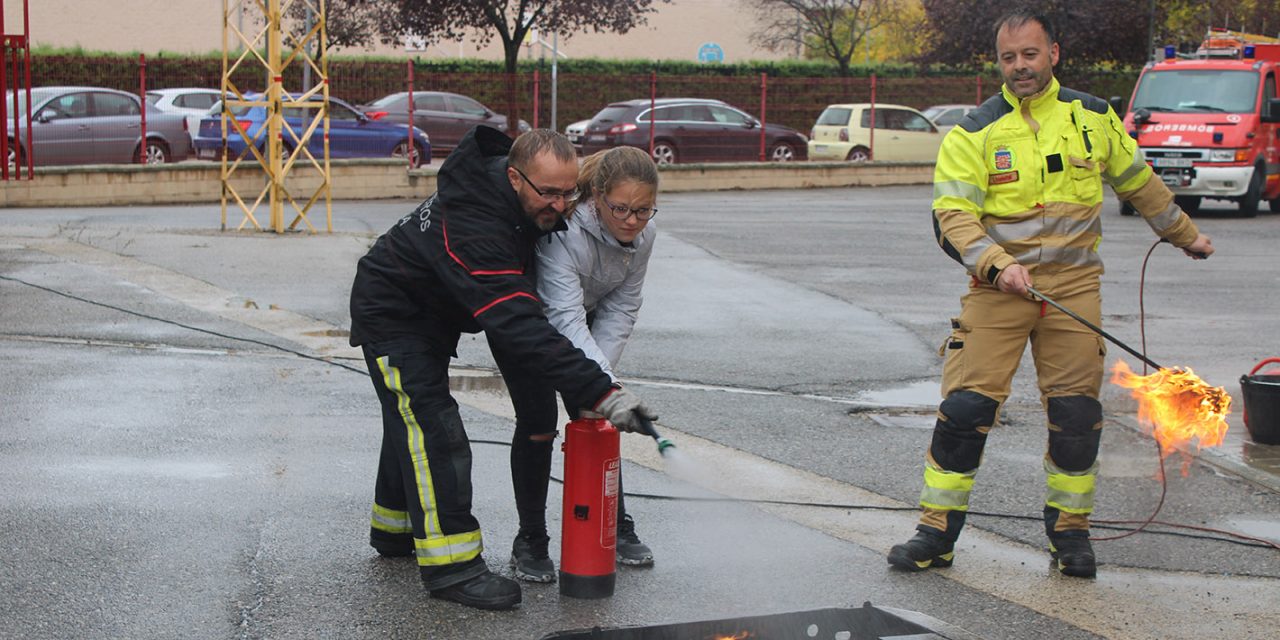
<point>328,333</point>
<point>476,382</point>
<point>924,394</point>
<point>1262,457</point>
<point>903,420</point>
<point>1256,526</point>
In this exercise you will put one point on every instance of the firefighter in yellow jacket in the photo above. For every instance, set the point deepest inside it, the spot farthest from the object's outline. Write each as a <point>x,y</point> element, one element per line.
<point>1017,199</point>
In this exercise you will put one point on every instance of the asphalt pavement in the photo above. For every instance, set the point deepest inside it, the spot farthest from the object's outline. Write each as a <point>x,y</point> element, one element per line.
<point>187,445</point>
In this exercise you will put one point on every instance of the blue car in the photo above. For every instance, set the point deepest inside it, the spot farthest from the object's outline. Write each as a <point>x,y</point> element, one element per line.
<point>351,134</point>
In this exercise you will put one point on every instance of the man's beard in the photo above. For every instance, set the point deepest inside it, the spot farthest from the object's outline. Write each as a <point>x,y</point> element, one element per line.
<point>546,219</point>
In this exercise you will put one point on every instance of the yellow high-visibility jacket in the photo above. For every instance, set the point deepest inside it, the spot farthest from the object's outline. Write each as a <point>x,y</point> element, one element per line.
<point>1020,180</point>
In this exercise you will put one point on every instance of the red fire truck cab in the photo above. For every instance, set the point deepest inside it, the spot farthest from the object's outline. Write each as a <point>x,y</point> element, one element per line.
<point>1208,125</point>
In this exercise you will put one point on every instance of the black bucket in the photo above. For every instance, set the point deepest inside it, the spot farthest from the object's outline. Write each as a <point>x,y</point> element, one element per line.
<point>1262,404</point>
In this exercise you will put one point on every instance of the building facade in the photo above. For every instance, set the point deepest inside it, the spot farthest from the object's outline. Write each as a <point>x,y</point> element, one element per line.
<point>681,30</point>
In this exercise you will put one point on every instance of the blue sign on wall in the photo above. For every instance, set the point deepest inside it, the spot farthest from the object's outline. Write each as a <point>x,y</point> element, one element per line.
<point>710,52</point>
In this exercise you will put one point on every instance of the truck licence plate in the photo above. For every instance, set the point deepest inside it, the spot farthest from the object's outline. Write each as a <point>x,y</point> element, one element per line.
<point>1171,162</point>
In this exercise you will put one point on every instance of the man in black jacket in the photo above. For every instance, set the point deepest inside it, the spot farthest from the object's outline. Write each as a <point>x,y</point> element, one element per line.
<point>458,264</point>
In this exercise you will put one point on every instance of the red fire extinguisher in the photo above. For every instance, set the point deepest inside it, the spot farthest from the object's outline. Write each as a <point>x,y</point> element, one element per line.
<point>589,533</point>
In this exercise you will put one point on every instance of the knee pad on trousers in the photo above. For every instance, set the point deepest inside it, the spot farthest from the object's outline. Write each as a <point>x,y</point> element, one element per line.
<point>1075,430</point>
<point>964,418</point>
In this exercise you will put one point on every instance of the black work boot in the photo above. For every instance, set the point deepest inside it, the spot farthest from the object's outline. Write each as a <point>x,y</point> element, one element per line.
<point>630,550</point>
<point>485,591</point>
<point>926,549</point>
<point>530,559</point>
<point>1073,554</point>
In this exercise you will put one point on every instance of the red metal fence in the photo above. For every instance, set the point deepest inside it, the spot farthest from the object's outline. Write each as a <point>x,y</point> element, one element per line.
<point>790,102</point>
<point>15,97</point>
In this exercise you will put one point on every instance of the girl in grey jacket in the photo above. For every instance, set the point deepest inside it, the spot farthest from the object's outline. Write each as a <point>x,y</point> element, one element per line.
<point>589,278</point>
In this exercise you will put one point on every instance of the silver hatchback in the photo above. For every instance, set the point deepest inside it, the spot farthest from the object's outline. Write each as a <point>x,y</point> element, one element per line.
<point>95,125</point>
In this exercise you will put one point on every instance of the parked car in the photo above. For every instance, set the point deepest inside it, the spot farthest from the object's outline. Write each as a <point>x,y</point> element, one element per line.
<point>576,131</point>
<point>446,117</point>
<point>902,134</point>
<point>94,125</point>
<point>193,103</point>
<point>945,116</point>
<point>351,133</point>
<point>690,130</point>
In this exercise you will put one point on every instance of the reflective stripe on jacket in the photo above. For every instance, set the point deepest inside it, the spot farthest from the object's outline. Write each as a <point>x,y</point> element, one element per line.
<point>585,270</point>
<point>1020,180</point>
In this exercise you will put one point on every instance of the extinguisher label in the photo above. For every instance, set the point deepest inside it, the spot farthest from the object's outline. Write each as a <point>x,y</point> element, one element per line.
<point>609,533</point>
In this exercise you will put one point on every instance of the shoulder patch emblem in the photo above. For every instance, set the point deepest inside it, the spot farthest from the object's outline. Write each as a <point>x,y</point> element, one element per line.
<point>1002,159</point>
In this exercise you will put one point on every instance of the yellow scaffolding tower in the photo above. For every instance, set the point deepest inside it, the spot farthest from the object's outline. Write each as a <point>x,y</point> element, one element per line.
<point>275,147</point>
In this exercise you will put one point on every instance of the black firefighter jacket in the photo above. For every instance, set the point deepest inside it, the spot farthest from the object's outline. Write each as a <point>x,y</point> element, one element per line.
<point>457,264</point>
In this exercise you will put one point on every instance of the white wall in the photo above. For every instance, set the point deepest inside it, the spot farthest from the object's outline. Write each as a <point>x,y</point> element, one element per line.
<point>195,26</point>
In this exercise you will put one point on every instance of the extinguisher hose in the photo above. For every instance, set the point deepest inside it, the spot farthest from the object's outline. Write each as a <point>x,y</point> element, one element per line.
<point>646,426</point>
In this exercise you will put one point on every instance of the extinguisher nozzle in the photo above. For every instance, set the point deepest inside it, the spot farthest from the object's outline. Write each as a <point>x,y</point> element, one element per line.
<point>664,444</point>
<point>646,426</point>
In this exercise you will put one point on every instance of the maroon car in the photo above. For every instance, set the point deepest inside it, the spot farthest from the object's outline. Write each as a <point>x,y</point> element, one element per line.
<point>691,130</point>
<point>446,117</point>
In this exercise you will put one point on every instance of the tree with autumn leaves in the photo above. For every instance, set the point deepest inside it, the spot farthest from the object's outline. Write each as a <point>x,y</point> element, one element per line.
<point>959,32</point>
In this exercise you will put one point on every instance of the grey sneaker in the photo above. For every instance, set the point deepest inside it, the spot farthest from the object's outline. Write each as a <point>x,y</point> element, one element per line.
<point>530,559</point>
<point>630,550</point>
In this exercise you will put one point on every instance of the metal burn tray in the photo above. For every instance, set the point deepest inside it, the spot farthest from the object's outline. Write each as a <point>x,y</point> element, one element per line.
<point>863,623</point>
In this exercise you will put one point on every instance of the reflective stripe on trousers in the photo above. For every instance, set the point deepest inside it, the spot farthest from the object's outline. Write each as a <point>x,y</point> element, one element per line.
<point>946,490</point>
<point>437,548</point>
<point>390,520</point>
<point>1068,491</point>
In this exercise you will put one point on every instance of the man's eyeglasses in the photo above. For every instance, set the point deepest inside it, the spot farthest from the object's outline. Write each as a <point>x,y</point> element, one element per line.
<point>549,194</point>
<point>622,211</point>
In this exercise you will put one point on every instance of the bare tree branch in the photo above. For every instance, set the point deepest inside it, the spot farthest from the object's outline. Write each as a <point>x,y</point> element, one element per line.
<point>834,28</point>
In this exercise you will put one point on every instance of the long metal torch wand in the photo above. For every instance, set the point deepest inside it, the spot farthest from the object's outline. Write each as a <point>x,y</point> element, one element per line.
<point>1096,329</point>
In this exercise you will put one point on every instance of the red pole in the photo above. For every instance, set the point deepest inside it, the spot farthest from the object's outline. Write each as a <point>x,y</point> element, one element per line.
<point>979,100</point>
<point>872,134</point>
<point>413,149</point>
<point>537,91</point>
<point>12,70</point>
<point>653,99</point>
<point>4,116</point>
<point>764,92</point>
<point>26,47</point>
<point>142,94</point>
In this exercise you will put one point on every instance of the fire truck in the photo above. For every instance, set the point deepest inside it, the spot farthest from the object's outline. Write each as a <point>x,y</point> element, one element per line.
<point>1207,123</point>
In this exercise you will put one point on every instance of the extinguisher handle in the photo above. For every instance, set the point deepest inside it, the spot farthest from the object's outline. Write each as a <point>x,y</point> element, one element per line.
<point>1259,365</point>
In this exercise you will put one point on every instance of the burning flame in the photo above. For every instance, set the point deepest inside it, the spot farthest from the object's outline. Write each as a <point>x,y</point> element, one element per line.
<point>1178,407</point>
<point>741,635</point>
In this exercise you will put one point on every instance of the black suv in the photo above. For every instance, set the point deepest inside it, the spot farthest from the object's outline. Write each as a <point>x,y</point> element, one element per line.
<point>691,130</point>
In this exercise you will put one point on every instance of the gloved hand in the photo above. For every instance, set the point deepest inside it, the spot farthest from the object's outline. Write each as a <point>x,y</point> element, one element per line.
<point>623,409</point>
